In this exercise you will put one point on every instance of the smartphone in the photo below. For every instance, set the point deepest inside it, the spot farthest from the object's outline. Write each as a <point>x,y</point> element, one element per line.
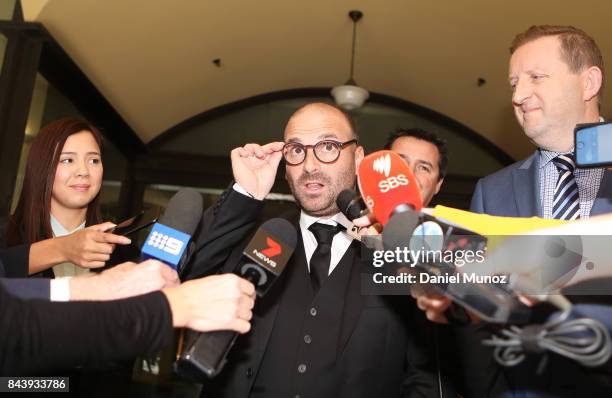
<point>593,143</point>
<point>134,224</point>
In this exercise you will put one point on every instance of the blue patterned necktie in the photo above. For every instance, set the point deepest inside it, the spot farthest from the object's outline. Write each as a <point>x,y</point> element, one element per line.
<point>566,202</point>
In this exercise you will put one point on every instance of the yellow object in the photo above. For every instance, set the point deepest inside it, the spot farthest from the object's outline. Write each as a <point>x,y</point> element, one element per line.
<point>494,226</point>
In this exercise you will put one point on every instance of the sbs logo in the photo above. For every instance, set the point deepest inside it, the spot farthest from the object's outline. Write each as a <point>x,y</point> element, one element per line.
<point>382,165</point>
<point>392,183</point>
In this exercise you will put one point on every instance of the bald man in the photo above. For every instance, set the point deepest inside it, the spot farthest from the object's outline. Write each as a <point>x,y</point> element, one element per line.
<point>314,333</point>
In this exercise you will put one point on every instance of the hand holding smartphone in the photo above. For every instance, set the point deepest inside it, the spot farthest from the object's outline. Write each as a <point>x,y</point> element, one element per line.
<point>134,224</point>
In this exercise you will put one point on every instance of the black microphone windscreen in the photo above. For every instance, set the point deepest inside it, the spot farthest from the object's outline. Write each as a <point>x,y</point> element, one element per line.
<point>282,230</point>
<point>184,211</point>
<point>350,204</point>
<point>399,229</point>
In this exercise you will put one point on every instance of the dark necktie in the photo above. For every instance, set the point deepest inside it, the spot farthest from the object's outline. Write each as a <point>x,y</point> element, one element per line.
<point>321,258</point>
<point>566,202</point>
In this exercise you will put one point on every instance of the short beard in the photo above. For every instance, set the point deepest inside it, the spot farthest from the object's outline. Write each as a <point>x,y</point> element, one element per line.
<point>328,206</point>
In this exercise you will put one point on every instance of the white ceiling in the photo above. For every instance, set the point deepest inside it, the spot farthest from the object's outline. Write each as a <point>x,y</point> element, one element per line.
<point>152,59</point>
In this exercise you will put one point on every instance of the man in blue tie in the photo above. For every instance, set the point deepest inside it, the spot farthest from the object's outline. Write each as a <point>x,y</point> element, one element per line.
<point>556,74</point>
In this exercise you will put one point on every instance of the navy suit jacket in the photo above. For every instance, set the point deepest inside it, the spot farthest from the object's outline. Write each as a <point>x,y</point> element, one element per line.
<point>13,273</point>
<point>515,192</point>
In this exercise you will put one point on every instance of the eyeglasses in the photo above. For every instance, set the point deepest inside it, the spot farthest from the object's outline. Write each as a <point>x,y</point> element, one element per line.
<point>326,151</point>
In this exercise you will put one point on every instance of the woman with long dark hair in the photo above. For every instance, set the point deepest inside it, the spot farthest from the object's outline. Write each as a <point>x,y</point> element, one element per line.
<point>60,199</point>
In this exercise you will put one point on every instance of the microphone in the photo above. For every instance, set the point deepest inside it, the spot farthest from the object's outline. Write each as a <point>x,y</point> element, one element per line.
<point>352,206</point>
<point>392,194</point>
<point>491,302</point>
<point>572,258</point>
<point>390,189</point>
<point>552,254</point>
<point>262,262</point>
<point>169,239</point>
<point>387,185</point>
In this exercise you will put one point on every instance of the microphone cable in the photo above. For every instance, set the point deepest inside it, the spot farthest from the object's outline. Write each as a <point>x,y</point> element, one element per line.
<point>584,340</point>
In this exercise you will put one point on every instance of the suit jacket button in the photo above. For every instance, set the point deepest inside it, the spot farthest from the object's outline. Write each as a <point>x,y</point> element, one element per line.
<point>249,373</point>
<point>313,311</point>
<point>307,339</point>
<point>302,368</point>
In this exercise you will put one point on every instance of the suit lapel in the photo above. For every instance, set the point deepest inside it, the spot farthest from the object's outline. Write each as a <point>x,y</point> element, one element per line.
<point>353,300</point>
<point>525,187</point>
<point>603,200</point>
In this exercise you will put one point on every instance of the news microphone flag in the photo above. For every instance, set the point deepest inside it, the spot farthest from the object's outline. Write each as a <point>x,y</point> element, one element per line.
<point>387,185</point>
<point>267,254</point>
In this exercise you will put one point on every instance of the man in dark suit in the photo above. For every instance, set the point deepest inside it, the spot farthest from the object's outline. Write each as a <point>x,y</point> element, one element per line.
<point>556,76</point>
<point>314,334</point>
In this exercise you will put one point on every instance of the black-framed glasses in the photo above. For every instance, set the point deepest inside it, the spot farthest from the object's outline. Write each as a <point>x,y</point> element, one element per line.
<point>326,151</point>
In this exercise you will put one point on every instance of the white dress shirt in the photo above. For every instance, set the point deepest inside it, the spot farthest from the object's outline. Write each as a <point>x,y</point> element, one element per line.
<point>340,243</point>
<point>66,269</point>
<point>60,286</point>
<point>341,240</point>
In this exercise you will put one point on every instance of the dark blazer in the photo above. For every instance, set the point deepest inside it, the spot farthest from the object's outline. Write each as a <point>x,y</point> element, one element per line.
<point>379,353</point>
<point>515,192</point>
<point>15,261</point>
<point>13,273</point>
<point>38,336</point>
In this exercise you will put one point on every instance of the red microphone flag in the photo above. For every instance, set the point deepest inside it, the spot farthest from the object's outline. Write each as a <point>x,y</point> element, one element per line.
<point>386,182</point>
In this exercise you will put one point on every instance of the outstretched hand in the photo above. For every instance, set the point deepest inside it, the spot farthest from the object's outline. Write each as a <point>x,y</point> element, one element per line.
<point>90,247</point>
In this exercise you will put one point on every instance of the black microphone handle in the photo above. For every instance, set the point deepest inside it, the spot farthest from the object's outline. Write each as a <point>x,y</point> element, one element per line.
<point>252,276</point>
<point>208,353</point>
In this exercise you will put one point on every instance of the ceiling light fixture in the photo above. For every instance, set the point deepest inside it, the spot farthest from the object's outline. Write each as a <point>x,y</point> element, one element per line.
<point>350,96</point>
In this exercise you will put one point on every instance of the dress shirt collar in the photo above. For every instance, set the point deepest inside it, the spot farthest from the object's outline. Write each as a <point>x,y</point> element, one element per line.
<point>59,230</point>
<point>307,220</point>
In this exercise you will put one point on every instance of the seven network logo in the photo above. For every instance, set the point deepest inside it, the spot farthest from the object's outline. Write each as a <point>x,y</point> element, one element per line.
<point>273,250</point>
<point>165,243</point>
<point>383,165</point>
